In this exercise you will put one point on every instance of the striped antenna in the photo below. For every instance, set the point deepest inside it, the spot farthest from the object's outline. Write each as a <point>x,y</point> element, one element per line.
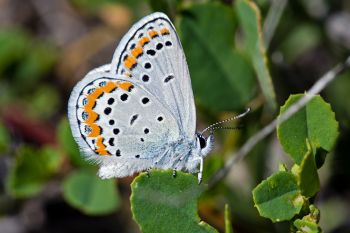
<point>212,126</point>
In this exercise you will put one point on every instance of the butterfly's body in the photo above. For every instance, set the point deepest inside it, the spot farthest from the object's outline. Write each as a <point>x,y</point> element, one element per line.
<point>138,112</point>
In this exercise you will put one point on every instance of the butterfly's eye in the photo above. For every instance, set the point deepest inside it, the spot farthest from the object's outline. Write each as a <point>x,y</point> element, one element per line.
<point>202,142</point>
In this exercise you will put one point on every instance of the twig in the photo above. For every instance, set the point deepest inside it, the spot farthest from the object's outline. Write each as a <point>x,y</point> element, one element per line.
<point>248,146</point>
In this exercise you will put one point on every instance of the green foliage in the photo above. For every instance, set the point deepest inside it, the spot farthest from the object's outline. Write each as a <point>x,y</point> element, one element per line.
<point>303,136</point>
<point>67,143</point>
<point>13,46</point>
<point>309,223</point>
<point>228,224</point>
<point>315,123</point>
<point>309,34</point>
<point>161,203</point>
<point>32,168</point>
<point>250,20</point>
<point>90,194</point>
<point>4,138</point>
<point>307,175</point>
<point>221,78</point>
<point>278,198</point>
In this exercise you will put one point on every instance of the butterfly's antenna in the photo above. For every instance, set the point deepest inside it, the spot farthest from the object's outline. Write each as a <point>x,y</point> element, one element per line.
<point>229,128</point>
<point>212,126</point>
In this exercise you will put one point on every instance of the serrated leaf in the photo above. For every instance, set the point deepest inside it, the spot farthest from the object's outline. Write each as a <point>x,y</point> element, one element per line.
<point>85,191</point>
<point>32,168</point>
<point>163,204</point>
<point>68,144</point>
<point>250,20</point>
<point>307,176</point>
<point>221,78</point>
<point>278,197</point>
<point>315,123</point>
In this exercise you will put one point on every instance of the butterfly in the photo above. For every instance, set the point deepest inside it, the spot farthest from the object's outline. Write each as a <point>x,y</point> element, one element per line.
<point>138,112</point>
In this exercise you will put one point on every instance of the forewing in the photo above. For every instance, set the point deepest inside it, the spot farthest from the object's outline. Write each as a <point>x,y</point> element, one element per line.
<point>151,53</point>
<point>119,124</point>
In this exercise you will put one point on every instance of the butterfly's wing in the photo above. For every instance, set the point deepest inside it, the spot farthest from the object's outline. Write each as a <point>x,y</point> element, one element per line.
<point>125,136</point>
<point>151,53</point>
<point>119,124</point>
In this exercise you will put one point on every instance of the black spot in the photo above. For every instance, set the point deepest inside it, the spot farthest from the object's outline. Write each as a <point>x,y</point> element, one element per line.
<point>140,35</point>
<point>146,131</point>
<point>137,156</point>
<point>133,46</point>
<point>133,119</point>
<point>111,141</point>
<point>125,57</point>
<point>117,153</point>
<point>110,101</point>
<point>130,88</point>
<point>111,122</point>
<point>145,100</point>
<point>85,115</point>
<point>160,118</point>
<point>167,79</point>
<point>107,110</point>
<point>142,140</point>
<point>87,129</point>
<point>91,90</point>
<point>145,78</point>
<point>150,28</point>
<point>168,43</point>
<point>102,84</point>
<point>202,142</point>
<point>116,131</point>
<point>151,52</point>
<point>124,97</point>
<point>159,46</point>
<point>148,65</point>
<point>93,141</point>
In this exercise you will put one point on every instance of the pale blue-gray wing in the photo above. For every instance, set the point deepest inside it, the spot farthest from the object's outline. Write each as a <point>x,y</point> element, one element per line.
<point>151,53</point>
<point>119,124</point>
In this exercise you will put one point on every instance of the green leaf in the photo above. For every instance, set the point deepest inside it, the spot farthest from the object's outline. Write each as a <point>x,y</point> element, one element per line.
<point>250,20</point>
<point>13,47</point>
<point>307,176</point>
<point>161,203</point>
<point>228,224</point>
<point>32,168</point>
<point>85,191</point>
<point>221,78</point>
<point>66,140</point>
<point>292,48</point>
<point>278,198</point>
<point>315,123</point>
<point>4,139</point>
<point>37,63</point>
<point>169,7</point>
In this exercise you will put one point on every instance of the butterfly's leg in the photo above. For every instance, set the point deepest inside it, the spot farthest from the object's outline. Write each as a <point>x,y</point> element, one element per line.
<point>174,172</point>
<point>147,172</point>
<point>200,173</point>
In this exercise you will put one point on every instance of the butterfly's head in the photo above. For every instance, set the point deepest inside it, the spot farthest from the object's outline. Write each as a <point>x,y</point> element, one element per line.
<point>205,145</point>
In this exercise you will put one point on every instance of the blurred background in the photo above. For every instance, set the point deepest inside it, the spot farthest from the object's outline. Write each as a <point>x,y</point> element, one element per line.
<point>46,47</point>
